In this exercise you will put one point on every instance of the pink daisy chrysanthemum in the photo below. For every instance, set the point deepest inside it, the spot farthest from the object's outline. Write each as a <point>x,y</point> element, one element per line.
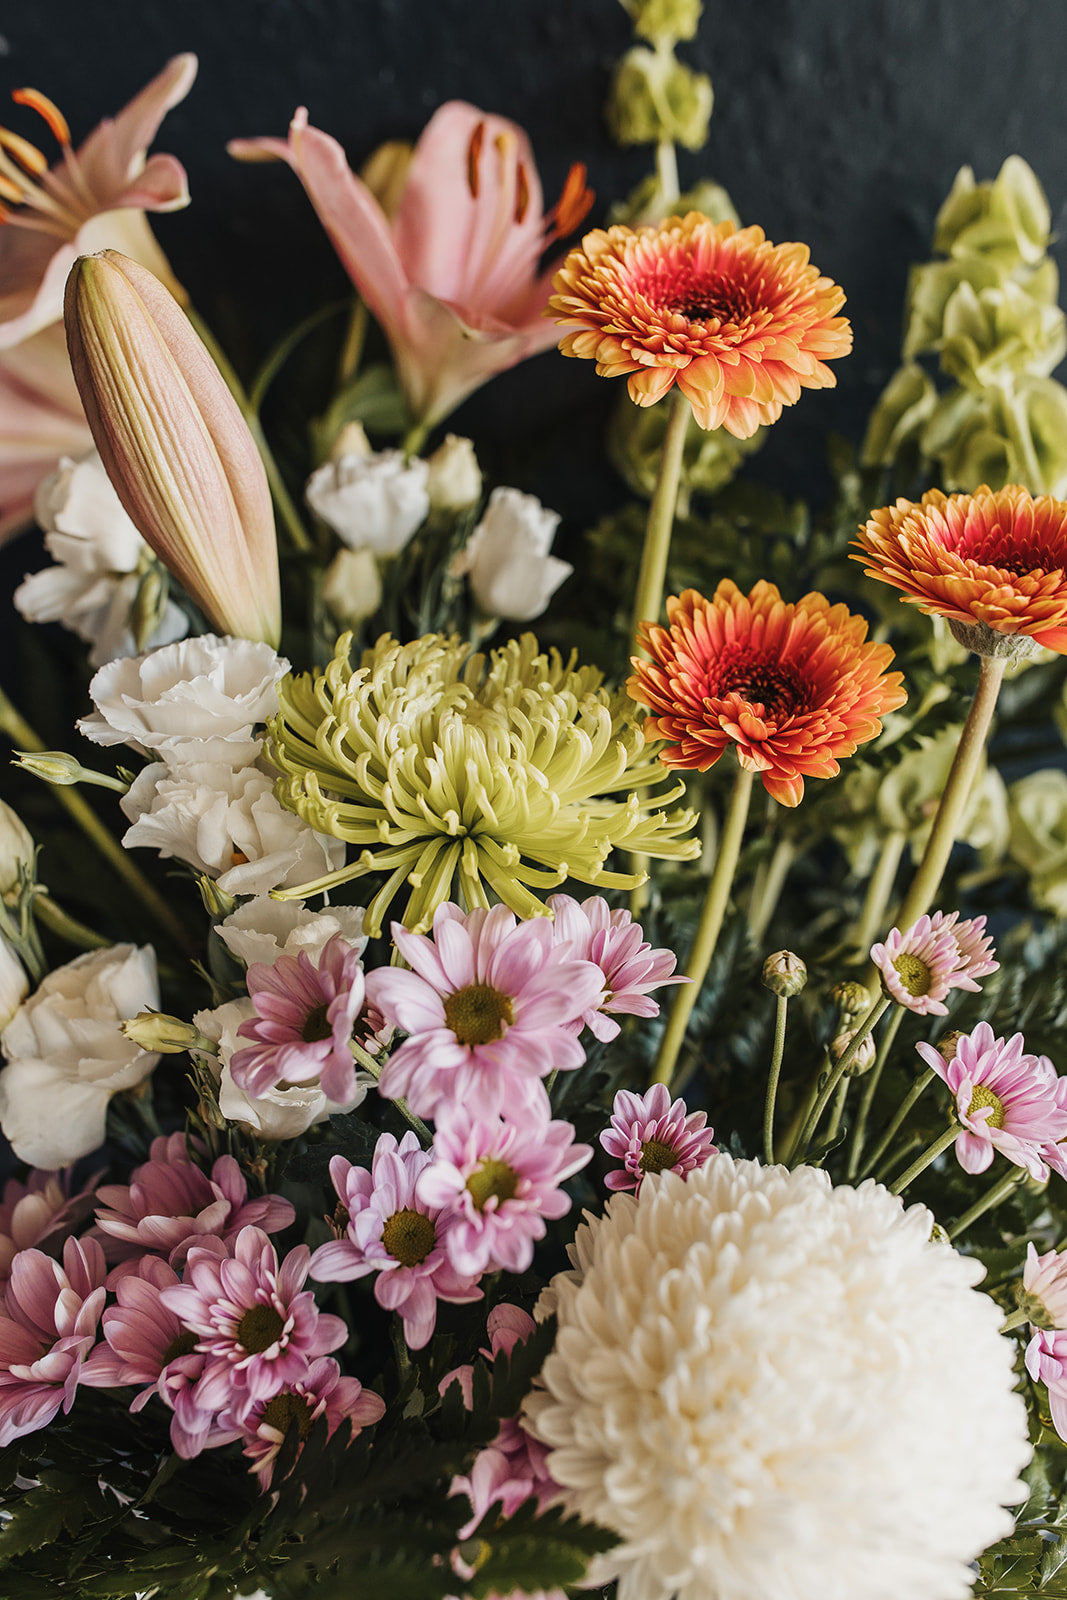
<point>254,1320</point>
<point>1046,1362</point>
<point>614,943</point>
<point>498,1181</point>
<point>39,1214</point>
<point>650,1133</point>
<point>390,1230</point>
<point>489,1007</point>
<point>322,1391</point>
<point>1044,1288</point>
<point>507,1326</point>
<point>1006,1100</point>
<point>48,1327</point>
<point>305,1018</point>
<point>934,955</point>
<point>171,1204</point>
<point>147,1344</point>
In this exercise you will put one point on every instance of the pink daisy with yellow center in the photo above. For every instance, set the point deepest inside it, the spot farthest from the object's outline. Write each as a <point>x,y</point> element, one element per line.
<point>740,324</point>
<point>791,687</point>
<point>997,559</point>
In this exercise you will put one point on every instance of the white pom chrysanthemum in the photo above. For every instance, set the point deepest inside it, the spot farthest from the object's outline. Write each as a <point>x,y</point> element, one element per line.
<point>771,1387</point>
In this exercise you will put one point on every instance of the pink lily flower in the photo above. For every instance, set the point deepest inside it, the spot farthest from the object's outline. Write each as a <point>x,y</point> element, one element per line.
<point>453,276</point>
<point>41,421</point>
<point>92,198</point>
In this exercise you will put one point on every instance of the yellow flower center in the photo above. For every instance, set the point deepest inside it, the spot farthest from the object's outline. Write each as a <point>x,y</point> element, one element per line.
<point>478,1014</point>
<point>656,1156</point>
<point>913,973</point>
<point>985,1097</point>
<point>409,1237</point>
<point>284,1410</point>
<point>259,1328</point>
<point>492,1178</point>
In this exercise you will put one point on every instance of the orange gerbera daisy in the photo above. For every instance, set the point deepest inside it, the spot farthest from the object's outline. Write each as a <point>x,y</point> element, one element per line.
<point>791,687</point>
<point>992,558</point>
<point>741,325</point>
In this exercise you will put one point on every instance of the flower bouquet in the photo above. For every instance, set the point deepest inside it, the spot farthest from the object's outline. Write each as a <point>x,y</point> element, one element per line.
<point>500,1112</point>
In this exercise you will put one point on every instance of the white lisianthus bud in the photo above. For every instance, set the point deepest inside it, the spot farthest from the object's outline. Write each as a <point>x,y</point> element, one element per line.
<point>155,1030</point>
<point>455,480</point>
<point>372,502</point>
<point>16,850</point>
<point>352,587</point>
<point>351,441</point>
<point>14,984</point>
<point>506,559</point>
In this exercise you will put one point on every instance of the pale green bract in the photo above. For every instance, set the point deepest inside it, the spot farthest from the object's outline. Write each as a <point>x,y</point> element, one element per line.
<point>488,777</point>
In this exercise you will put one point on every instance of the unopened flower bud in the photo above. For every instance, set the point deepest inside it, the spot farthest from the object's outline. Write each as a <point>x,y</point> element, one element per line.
<point>154,1030</point>
<point>352,587</point>
<point>17,850</point>
<point>217,903</point>
<point>1042,1291</point>
<point>56,766</point>
<point>862,1061</point>
<point>149,605</point>
<point>784,974</point>
<point>174,443</point>
<point>851,999</point>
<point>946,1045</point>
<point>14,984</point>
<point>455,480</point>
<point>351,441</point>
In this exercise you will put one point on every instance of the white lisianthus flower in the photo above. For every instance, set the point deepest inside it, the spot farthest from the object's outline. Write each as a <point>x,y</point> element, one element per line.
<point>284,1112</point>
<point>14,984</point>
<point>67,1054</point>
<point>99,559</point>
<point>506,558</point>
<point>227,824</point>
<point>191,702</point>
<point>263,929</point>
<point>768,1386</point>
<point>17,850</point>
<point>455,480</point>
<point>352,586</point>
<point>372,502</point>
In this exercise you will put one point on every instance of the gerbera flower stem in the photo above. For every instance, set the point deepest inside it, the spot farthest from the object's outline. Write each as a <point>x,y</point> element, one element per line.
<point>918,1088</point>
<point>957,792</point>
<point>707,933</point>
<point>859,1133</point>
<point>650,579</point>
<point>834,1076</point>
<point>992,1197</point>
<point>929,1155</point>
<point>772,1080</point>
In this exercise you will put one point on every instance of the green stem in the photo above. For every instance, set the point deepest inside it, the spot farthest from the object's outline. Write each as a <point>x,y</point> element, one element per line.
<point>834,1076</point>
<point>772,1079</point>
<point>368,1063</point>
<point>837,1111</point>
<point>919,1087</point>
<point>765,901</point>
<point>355,335</point>
<point>992,1197</point>
<point>859,1133</point>
<point>18,730</point>
<point>667,175</point>
<point>283,501</point>
<point>878,891</point>
<point>415,438</point>
<point>956,794</point>
<point>930,1154</point>
<point>648,598</point>
<point>277,358</point>
<point>65,926</point>
<point>707,934</point>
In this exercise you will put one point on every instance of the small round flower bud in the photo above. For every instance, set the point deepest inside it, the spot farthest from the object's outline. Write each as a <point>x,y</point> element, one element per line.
<point>154,1030</point>
<point>851,999</point>
<point>351,441</point>
<point>862,1061</point>
<point>784,974</point>
<point>946,1045</point>
<point>352,587</point>
<point>455,479</point>
<point>217,903</point>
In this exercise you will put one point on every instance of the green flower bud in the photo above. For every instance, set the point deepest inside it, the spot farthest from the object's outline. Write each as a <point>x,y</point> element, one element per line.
<point>217,903</point>
<point>154,1030</point>
<point>851,999</point>
<point>665,21</point>
<point>784,974</point>
<point>149,604</point>
<point>656,98</point>
<point>56,766</point>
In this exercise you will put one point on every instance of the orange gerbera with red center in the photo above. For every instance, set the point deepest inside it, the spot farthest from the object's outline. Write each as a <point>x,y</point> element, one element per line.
<point>741,325</point>
<point>791,687</point>
<point>993,558</point>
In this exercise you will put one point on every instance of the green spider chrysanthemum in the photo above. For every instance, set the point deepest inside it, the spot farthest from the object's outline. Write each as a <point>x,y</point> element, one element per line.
<point>451,770</point>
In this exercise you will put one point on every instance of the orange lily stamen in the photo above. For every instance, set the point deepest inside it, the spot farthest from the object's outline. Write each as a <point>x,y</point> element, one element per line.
<point>573,205</point>
<point>45,108</point>
<point>24,152</point>
<point>474,151</point>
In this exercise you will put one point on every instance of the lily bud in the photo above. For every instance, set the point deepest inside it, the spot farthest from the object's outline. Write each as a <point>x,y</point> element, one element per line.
<point>174,443</point>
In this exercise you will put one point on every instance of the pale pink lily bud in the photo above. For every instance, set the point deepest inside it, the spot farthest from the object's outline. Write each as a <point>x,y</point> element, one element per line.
<point>174,443</point>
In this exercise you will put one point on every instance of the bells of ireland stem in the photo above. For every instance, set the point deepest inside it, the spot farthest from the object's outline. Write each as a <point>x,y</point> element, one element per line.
<point>174,443</point>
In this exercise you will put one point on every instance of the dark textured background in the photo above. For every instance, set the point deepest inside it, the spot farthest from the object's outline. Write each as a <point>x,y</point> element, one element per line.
<point>839,122</point>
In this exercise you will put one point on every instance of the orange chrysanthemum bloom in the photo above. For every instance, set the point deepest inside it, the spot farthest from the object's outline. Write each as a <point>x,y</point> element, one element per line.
<point>791,687</point>
<point>992,558</point>
<point>741,325</point>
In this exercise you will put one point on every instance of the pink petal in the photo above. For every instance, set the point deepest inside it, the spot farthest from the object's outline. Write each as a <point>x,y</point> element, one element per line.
<point>112,155</point>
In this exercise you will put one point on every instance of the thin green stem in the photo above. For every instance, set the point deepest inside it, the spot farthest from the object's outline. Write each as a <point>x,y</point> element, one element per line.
<point>992,1197</point>
<point>415,438</point>
<point>667,175</point>
<point>768,892</point>
<point>859,1133</point>
<point>834,1076</point>
<point>648,597</point>
<point>283,501</point>
<point>878,891</point>
<point>368,1063</point>
<point>921,1084</point>
<point>17,729</point>
<point>277,358</point>
<point>837,1110</point>
<point>707,934</point>
<point>64,926</point>
<point>929,1155</point>
<point>772,1079</point>
<point>355,336</point>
